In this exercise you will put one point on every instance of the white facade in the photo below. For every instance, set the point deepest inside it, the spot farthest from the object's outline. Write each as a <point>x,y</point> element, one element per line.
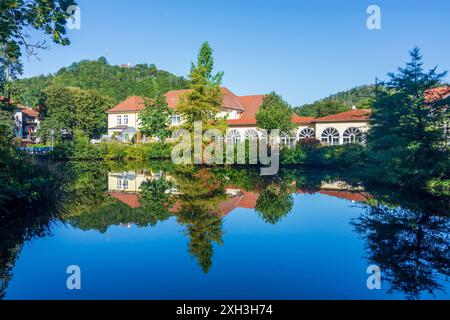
<point>329,133</point>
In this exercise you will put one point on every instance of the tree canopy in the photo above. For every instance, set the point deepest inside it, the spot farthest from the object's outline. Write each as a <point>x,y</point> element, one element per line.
<point>67,109</point>
<point>204,101</point>
<point>408,129</point>
<point>275,113</point>
<point>361,97</point>
<point>116,82</point>
<point>17,17</point>
<point>155,118</point>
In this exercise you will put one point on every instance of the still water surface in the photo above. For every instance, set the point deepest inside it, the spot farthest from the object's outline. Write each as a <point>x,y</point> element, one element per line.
<point>159,233</point>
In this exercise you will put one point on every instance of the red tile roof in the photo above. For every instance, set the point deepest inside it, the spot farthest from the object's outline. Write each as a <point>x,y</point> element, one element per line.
<point>347,195</point>
<point>437,93</point>
<point>130,199</point>
<point>132,104</point>
<point>229,99</point>
<point>173,97</point>
<point>247,105</point>
<point>301,120</point>
<point>352,115</point>
<point>29,112</point>
<point>251,106</point>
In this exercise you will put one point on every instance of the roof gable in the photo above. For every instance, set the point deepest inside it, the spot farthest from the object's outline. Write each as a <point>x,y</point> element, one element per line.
<point>229,99</point>
<point>131,104</point>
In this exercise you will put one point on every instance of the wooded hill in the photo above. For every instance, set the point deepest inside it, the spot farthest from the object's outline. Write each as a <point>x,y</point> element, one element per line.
<point>360,97</point>
<point>117,82</point>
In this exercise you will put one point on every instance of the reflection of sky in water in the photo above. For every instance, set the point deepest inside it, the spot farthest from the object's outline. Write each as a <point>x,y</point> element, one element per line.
<point>312,253</point>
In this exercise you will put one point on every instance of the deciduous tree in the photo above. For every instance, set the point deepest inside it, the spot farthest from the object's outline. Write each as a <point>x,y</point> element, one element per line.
<point>275,113</point>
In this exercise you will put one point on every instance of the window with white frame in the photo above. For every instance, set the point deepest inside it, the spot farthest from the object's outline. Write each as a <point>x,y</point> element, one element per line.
<point>352,135</point>
<point>119,183</point>
<point>119,120</point>
<point>307,133</point>
<point>176,119</point>
<point>125,184</point>
<point>330,136</point>
<point>125,119</point>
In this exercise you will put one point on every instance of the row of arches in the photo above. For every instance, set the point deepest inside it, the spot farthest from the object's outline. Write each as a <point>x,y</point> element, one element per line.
<point>330,136</point>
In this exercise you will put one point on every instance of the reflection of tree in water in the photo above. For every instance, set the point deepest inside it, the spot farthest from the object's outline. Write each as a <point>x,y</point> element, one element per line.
<point>410,246</point>
<point>203,227</point>
<point>201,192</point>
<point>32,219</point>
<point>275,202</point>
<point>28,225</point>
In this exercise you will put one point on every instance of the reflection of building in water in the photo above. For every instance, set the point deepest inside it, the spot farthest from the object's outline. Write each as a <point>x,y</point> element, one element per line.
<point>125,187</point>
<point>127,181</point>
<point>131,181</point>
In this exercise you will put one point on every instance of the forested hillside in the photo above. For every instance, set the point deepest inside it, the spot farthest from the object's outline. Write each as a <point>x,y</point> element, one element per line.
<point>360,97</point>
<point>117,82</point>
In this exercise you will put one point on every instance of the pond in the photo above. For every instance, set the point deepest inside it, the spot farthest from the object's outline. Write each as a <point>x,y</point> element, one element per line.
<point>155,231</point>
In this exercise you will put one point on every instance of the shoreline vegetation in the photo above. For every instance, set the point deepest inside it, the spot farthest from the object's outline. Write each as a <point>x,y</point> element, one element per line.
<point>305,155</point>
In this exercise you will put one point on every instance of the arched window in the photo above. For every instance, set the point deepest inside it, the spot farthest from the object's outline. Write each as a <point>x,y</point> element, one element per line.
<point>251,134</point>
<point>330,136</point>
<point>307,133</point>
<point>352,135</point>
<point>233,136</point>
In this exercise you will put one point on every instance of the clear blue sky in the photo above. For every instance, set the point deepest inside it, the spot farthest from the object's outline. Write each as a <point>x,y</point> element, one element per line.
<point>304,50</point>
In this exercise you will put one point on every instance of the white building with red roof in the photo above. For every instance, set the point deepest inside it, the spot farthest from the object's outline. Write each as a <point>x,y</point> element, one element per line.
<point>26,121</point>
<point>240,113</point>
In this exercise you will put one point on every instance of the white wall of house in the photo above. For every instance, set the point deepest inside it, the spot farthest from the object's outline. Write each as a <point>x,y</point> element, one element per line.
<point>318,128</point>
<point>130,119</point>
<point>130,181</point>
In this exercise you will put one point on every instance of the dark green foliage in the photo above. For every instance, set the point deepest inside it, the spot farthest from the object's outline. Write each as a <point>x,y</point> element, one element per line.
<point>67,110</point>
<point>312,155</point>
<point>410,245</point>
<point>6,124</point>
<point>406,142</point>
<point>82,149</point>
<point>115,82</point>
<point>154,199</point>
<point>205,98</point>
<point>275,113</point>
<point>155,118</point>
<point>27,182</point>
<point>274,203</point>
<point>17,17</point>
